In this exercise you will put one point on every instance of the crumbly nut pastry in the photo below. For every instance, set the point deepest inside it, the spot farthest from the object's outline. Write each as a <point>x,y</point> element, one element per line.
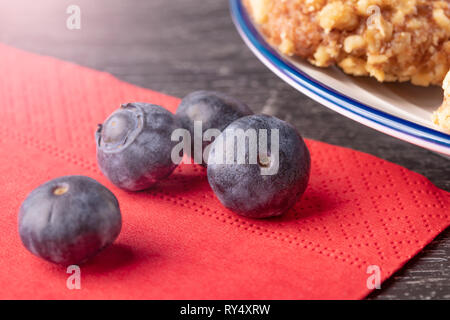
<point>441,117</point>
<point>391,40</point>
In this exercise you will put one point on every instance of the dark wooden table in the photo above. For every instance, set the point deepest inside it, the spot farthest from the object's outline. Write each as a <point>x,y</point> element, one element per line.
<point>177,46</point>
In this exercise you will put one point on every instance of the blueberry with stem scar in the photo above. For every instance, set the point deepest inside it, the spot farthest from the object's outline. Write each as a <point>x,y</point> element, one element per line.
<point>266,182</point>
<point>134,145</point>
<point>69,219</point>
<point>214,110</point>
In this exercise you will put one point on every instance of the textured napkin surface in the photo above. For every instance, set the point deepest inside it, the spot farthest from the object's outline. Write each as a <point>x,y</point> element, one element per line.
<point>177,241</point>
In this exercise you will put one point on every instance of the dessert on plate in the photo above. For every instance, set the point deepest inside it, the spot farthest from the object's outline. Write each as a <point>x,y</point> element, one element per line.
<point>390,40</point>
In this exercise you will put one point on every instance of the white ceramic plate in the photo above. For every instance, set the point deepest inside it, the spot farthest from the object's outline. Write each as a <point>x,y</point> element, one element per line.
<point>398,109</point>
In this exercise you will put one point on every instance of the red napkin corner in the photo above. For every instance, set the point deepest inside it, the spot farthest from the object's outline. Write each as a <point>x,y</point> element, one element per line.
<point>359,215</point>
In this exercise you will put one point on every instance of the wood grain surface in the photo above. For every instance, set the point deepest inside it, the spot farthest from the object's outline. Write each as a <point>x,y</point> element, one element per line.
<point>179,46</point>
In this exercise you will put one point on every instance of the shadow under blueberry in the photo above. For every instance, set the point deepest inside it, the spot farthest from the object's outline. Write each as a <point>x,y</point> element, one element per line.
<point>314,203</point>
<point>111,258</point>
<point>181,183</point>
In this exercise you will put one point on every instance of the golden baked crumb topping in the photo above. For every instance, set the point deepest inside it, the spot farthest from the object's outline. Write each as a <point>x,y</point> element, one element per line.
<point>391,40</point>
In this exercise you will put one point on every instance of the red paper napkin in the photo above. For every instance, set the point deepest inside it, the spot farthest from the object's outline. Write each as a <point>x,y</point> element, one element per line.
<point>177,241</point>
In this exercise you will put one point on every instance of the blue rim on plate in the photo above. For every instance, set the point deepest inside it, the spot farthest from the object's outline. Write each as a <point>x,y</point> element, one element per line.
<point>410,131</point>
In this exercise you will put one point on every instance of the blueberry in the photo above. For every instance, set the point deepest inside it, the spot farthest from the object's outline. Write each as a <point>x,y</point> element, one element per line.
<point>215,111</point>
<point>267,183</point>
<point>69,219</point>
<point>134,145</point>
